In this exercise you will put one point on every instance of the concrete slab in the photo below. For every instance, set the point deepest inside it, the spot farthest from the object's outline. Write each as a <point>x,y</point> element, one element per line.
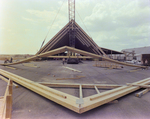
<point>29,105</point>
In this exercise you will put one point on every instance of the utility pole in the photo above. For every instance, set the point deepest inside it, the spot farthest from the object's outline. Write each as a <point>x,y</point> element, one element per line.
<point>71,10</point>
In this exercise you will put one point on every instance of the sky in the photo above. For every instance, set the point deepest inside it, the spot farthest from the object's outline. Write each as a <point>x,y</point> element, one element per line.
<point>112,24</point>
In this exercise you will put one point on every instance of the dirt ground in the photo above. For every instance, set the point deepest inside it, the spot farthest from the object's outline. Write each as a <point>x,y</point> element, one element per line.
<point>29,105</point>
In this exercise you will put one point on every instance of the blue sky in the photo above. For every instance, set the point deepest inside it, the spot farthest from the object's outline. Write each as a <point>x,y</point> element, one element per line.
<point>113,24</point>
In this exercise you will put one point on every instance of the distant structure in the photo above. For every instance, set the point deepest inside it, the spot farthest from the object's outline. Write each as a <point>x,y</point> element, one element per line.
<point>141,54</point>
<point>74,36</point>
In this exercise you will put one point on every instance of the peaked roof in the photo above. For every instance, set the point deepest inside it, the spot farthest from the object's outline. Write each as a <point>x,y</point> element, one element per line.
<point>82,42</point>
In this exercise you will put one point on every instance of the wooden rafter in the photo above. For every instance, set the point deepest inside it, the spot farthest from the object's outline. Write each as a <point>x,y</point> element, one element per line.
<point>80,35</point>
<point>67,48</point>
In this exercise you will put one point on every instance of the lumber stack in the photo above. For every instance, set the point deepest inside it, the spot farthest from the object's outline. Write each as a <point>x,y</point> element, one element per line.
<point>106,64</point>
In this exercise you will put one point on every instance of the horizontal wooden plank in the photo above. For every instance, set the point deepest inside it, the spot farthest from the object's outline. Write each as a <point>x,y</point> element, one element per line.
<point>142,86</point>
<point>76,85</point>
<point>72,69</point>
<point>82,57</point>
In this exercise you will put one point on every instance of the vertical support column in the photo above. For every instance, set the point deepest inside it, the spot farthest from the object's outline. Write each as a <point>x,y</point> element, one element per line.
<point>10,87</point>
<point>80,100</point>
<point>8,106</point>
<point>9,100</point>
<point>81,96</point>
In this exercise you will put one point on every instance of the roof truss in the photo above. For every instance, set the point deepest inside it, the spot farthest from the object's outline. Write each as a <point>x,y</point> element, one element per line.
<point>67,48</point>
<point>83,41</point>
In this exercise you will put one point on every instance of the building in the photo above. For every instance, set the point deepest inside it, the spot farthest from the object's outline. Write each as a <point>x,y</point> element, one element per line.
<point>141,54</point>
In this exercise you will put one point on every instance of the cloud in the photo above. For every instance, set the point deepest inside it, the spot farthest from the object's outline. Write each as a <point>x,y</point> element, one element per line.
<point>29,19</point>
<point>117,14</point>
<point>119,22</point>
<point>114,24</point>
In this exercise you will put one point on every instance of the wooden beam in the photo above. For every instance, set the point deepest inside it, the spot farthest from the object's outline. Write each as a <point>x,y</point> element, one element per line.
<point>77,77</point>
<point>29,65</point>
<point>6,80</point>
<point>6,107</point>
<point>108,96</point>
<point>104,58</point>
<point>66,48</point>
<point>52,52</point>
<point>49,43</point>
<point>72,69</point>
<point>80,88</point>
<point>61,98</point>
<point>140,94</point>
<point>142,86</point>
<point>10,67</point>
<point>96,89</point>
<point>81,57</point>
<point>76,85</point>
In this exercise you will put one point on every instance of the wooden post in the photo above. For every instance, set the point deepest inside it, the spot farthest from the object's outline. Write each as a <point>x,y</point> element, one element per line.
<point>8,106</point>
<point>10,87</point>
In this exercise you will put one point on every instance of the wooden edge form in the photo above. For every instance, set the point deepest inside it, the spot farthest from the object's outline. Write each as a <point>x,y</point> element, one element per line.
<point>142,86</point>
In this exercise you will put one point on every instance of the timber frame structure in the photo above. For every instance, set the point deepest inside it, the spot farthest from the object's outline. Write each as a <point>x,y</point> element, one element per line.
<point>74,36</point>
<point>71,49</point>
<point>78,104</point>
<point>82,42</point>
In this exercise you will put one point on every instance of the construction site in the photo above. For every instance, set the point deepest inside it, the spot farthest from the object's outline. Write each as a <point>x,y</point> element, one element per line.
<point>71,77</point>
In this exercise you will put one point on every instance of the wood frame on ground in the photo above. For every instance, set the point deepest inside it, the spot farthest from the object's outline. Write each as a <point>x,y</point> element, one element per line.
<point>77,104</point>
